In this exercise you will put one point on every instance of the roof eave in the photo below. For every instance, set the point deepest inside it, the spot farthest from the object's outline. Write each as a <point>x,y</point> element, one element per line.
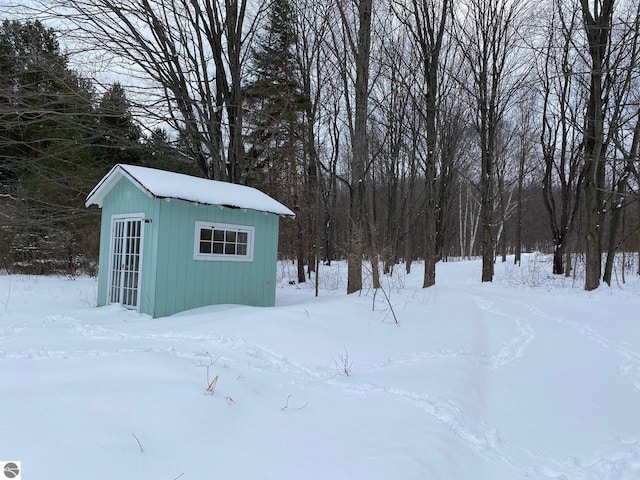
<point>96,196</point>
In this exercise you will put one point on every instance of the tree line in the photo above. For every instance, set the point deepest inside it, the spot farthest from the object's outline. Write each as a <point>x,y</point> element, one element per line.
<point>58,137</point>
<point>395,130</point>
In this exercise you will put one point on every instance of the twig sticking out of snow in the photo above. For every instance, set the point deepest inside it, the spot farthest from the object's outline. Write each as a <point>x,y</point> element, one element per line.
<point>212,386</point>
<point>386,297</point>
<point>343,365</point>
<point>286,405</point>
<point>137,440</point>
<point>5,302</point>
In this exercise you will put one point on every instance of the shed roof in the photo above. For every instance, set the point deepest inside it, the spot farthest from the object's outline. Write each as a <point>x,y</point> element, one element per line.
<point>162,184</point>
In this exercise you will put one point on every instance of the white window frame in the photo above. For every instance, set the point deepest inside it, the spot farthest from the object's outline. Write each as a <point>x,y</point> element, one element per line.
<point>222,257</point>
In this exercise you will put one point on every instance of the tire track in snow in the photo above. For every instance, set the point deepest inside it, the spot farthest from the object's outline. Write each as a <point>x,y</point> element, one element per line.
<point>259,358</point>
<point>482,439</point>
<point>618,462</point>
<point>509,352</point>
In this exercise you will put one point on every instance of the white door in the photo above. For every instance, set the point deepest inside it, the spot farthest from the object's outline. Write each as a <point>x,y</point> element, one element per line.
<point>126,259</point>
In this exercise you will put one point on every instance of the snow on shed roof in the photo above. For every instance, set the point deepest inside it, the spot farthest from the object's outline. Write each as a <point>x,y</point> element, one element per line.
<point>162,184</point>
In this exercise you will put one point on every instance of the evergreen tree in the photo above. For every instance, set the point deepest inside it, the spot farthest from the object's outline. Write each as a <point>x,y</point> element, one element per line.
<point>46,116</point>
<point>275,103</point>
<point>163,153</point>
<point>118,137</point>
<point>36,90</point>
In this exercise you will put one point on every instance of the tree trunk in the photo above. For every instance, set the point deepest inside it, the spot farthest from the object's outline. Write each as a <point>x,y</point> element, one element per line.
<point>518,249</point>
<point>234,34</point>
<point>486,202</point>
<point>300,250</point>
<point>558,260</point>
<point>359,148</point>
<point>488,248</point>
<point>375,271</point>
<point>597,26</point>
<point>567,268</point>
<point>614,224</point>
<point>428,33</point>
<point>430,227</point>
<point>312,199</point>
<point>409,220</point>
<point>300,245</point>
<point>462,222</point>
<point>330,202</point>
<point>503,221</point>
<point>594,217</point>
<point>618,201</point>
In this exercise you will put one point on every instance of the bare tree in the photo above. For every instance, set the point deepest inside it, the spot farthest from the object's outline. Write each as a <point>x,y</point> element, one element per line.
<point>563,98</point>
<point>488,32</point>
<point>452,137</point>
<point>525,139</point>
<point>621,86</point>
<point>506,179</point>
<point>390,104</point>
<point>412,220</point>
<point>313,19</point>
<point>358,46</point>
<point>186,57</point>
<point>336,114</point>
<point>597,20</point>
<point>426,21</point>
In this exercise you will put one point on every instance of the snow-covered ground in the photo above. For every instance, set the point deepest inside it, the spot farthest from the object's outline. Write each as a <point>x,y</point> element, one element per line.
<point>527,377</point>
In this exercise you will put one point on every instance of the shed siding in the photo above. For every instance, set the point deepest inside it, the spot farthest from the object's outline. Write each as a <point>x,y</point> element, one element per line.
<point>183,283</point>
<point>122,199</point>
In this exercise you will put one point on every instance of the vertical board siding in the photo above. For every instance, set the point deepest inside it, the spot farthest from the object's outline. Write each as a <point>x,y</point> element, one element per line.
<point>183,283</point>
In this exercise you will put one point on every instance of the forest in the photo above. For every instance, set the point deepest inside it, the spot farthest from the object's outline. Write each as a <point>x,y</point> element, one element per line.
<point>397,130</point>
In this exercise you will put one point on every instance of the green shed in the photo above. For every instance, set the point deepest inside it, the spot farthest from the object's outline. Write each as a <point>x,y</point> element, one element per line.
<point>171,242</point>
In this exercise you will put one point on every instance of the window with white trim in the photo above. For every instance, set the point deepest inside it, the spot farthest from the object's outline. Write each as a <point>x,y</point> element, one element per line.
<point>222,241</point>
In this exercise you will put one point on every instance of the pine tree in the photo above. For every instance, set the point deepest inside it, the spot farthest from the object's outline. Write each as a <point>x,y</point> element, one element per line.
<point>160,151</point>
<point>273,98</point>
<point>46,118</point>
<point>118,137</point>
<point>275,101</point>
